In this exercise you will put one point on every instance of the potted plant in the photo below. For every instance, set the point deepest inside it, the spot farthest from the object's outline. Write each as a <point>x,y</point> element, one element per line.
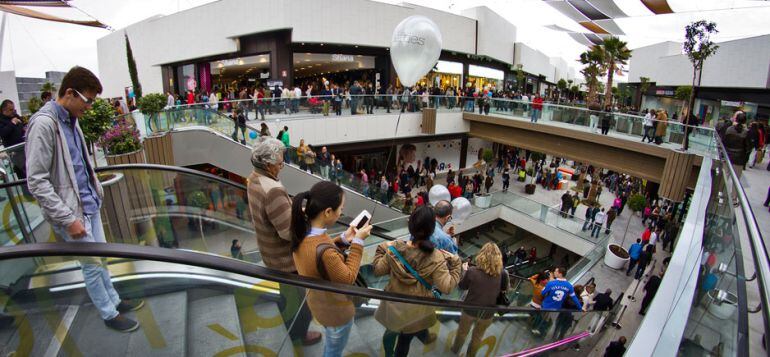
<point>151,105</point>
<point>530,187</point>
<point>95,122</point>
<point>615,256</point>
<point>636,203</point>
<point>122,145</point>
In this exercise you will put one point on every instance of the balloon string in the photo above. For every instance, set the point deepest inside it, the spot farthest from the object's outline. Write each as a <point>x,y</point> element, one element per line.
<point>385,173</point>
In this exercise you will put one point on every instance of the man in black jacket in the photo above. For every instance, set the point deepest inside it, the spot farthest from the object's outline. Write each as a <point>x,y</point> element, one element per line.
<point>616,348</point>
<point>12,133</point>
<point>650,289</point>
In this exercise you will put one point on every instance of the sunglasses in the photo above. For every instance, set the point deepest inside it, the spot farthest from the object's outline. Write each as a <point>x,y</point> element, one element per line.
<point>86,100</point>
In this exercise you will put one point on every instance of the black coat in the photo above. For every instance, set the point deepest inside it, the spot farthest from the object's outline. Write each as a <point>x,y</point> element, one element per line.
<point>11,133</point>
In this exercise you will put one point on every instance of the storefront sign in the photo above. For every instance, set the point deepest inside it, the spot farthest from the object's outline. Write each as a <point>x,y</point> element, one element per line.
<point>728,103</point>
<point>283,73</point>
<point>272,84</point>
<point>664,92</point>
<point>264,75</point>
<point>191,84</point>
<point>343,58</point>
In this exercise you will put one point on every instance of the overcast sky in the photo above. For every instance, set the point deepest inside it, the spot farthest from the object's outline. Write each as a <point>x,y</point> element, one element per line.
<point>32,47</point>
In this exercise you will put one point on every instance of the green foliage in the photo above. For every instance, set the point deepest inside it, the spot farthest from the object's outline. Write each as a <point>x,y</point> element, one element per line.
<point>561,84</point>
<point>121,139</point>
<point>683,92</point>
<point>152,103</point>
<point>488,155</point>
<point>698,45</point>
<point>520,77</point>
<point>97,120</point>
<point>49,87</point>
<point>536,156</point>
<point>132,69</point>
<point>593,60</point>
<point>644,84</point>
<point>34,105</point>
<point>198,199</point>
<point>615,55</point>
<point>637,202</point>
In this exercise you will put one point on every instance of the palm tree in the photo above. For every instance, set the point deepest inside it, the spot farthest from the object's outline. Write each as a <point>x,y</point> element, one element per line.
<point>616,55</point>
<point>593,60</point>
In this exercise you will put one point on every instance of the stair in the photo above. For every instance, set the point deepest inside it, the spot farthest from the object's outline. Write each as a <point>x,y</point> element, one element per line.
<point>91,337</point>
<point>163,322</point>
<point>213,327</point>
<point>32,332</point>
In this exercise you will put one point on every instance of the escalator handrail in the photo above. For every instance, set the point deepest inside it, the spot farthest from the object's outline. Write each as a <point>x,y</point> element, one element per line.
<point>177,169</point>
<point>230,265</point>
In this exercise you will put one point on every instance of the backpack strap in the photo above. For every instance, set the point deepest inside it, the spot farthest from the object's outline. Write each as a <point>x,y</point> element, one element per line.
<point>319,252</point>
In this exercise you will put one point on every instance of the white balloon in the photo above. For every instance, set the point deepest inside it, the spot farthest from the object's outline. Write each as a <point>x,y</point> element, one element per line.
<point>415,48</point>
<point>438,193</point>
<point>461,209</point>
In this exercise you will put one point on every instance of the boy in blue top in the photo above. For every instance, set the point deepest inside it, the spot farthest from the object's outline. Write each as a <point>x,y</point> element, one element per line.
<point>634,251</point>
<point>558,289</point>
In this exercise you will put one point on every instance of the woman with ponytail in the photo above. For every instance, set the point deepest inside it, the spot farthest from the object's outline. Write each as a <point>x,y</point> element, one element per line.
<point>737,143</point>
<point>316,255</point>
<point>416,268</point>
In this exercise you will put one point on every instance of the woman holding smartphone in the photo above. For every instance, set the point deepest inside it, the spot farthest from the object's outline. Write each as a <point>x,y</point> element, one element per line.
<point>317,255</point>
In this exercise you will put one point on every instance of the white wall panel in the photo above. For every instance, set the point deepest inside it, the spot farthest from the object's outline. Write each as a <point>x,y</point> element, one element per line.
<point>210,30</point>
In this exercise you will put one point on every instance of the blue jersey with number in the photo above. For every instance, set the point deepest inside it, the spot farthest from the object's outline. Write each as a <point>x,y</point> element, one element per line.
<point>555,292</point>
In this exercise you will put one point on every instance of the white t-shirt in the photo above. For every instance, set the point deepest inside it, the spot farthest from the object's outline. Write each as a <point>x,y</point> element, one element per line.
<point>297,92</point>
<point>653,238</point>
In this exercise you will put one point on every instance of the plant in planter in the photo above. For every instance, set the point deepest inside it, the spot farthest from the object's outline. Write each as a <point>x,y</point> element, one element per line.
<point>533,158</point>
<point>636,203</point>
<point>121,139</point>
<point>616,256</point>
<point>151,105</point>
<point>95,122</point>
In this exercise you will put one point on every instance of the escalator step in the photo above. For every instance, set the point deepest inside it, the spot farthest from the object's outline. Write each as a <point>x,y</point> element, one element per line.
<point>212,327</point>
<point>32,331</point>
<point>263,327</point>
<point>91,337</point>
<point>163,322</point>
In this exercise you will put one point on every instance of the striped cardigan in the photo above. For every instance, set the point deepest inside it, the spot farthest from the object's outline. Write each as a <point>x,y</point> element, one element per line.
<point>270,208</point>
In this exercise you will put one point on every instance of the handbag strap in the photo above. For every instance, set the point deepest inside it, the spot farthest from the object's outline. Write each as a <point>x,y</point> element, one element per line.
<point>411,270</point>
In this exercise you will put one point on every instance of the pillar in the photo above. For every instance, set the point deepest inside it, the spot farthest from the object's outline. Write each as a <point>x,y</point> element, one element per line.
<point>676,175</point>
<point>428,121</point>
<point>463,151</point>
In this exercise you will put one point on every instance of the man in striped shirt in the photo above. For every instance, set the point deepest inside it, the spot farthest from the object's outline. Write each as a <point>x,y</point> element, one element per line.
<point>270,207</point>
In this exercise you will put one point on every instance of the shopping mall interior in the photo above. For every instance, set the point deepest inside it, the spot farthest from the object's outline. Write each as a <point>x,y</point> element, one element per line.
<point>400,180</point>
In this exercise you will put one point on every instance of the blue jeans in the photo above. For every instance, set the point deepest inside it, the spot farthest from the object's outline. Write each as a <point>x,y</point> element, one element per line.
<point>469,105</point>
<point>535,115</point>
<point>96,277</point>
<point>336,339</point>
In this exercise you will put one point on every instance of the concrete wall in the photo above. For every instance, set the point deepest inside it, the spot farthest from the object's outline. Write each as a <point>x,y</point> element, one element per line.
<point>202,146</point>
<point>448,152</point>
<point>496,36</point>
<point>211,29</point>
<point>319,130</point>
<point>533,61</point>
<point>738,64</point>
<point>8,87</point>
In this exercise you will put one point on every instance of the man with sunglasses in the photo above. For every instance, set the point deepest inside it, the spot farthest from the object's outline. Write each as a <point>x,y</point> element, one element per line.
<point>65,185</point>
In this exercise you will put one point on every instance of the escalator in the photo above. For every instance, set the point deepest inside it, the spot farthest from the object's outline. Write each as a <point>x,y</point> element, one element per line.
<point>203,305</point>
<point>206,138</point>
<point>169,246</point>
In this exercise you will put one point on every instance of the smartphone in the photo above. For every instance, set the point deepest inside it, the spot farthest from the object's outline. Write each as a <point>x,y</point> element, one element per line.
<point>361,220</point>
